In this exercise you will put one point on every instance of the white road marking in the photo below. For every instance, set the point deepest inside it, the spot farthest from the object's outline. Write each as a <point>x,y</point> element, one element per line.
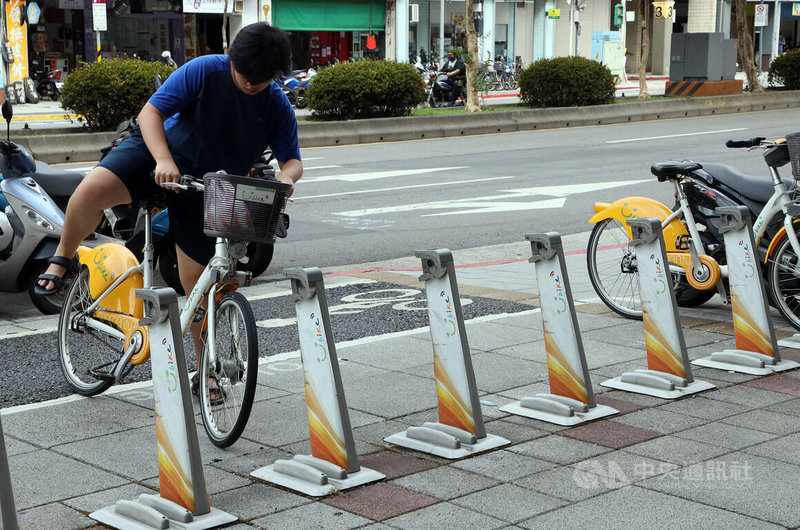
<point>371,175</point>
<point>401,188</point>
<point>496,203</point>
<point>645,138</point>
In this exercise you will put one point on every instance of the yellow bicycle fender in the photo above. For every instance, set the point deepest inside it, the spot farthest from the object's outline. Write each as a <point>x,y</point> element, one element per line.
<point>635,207</point>
<point>775,240</point>
<point>106,263</point>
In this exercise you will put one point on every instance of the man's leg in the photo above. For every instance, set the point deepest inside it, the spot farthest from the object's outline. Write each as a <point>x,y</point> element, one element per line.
<point>100,189</point>
<point>190,271</point>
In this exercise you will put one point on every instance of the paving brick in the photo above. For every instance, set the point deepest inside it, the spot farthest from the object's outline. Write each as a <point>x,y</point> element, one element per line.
<point>559,449</point>
<point>445,482</point>
<point>622,405</point>
<point>777,383</point>
<point>380,501</point>
<point>610,434</point>
<point>445,515</point>
<point>310,516</point>
<point>395,465</point>
<point>503,465</point>
<point>509,503</point>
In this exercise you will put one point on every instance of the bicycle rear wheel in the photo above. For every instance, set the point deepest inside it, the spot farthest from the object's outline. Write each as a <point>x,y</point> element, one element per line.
<point>611,261</point>
<point>84,352</point>
<point>783,281</point>
<point>228,385</point>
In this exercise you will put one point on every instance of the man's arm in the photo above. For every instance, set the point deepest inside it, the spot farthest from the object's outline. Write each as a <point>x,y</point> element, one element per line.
<point>151,123</point>
<point>291,171</point>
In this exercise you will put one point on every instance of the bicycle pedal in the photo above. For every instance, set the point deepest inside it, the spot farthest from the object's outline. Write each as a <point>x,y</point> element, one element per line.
<point>682,242</point>
<point>102,376</point>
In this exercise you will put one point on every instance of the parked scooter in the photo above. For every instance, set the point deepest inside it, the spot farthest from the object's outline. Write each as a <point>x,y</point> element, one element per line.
<point>30,224</point>
<point>49,85</point>
<point>295,86</point>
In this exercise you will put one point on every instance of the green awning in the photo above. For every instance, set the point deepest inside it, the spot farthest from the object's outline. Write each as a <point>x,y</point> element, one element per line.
<point>319,15</point>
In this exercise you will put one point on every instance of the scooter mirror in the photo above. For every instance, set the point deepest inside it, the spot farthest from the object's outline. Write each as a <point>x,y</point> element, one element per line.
<point>8,111</point>
<point>123,126</point>
<point>157,82</point>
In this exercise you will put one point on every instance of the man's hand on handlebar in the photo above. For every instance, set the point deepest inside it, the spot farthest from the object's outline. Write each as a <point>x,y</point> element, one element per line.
<point>167,171</point>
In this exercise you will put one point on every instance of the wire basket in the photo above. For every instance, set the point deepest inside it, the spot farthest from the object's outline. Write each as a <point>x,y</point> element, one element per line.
<point>243,208</point>
<point>793,143</point>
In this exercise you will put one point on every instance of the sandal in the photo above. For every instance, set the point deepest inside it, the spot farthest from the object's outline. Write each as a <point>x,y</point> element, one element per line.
<point>215,389</point>
<point>72,267</point>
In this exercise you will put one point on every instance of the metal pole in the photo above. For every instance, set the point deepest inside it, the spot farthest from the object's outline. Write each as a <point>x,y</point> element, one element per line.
<point>441,32</point>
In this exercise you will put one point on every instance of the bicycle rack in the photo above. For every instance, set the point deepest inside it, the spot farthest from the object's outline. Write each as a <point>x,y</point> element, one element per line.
<point>571,400</point>
<point>333,463</point>
<point>669,374</point>
<point>757,350</point>
<point>460,431</point>
<point>183,502</point>
<point>8,510</point>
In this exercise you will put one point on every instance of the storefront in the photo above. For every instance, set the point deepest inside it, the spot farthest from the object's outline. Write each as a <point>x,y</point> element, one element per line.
<point>327,32</point>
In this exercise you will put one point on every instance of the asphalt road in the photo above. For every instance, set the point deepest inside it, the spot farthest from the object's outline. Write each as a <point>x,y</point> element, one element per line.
<point>369,203</point>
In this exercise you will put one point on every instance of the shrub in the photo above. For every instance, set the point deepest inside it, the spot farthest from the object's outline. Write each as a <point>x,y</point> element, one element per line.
<point>566,82</point>
<point>110,91</point>
<point>365,89</point>
<point>785,69</point>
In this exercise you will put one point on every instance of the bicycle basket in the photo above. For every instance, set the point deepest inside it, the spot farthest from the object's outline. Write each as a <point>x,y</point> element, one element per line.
<point>243,208</point>
<point>793,143</point>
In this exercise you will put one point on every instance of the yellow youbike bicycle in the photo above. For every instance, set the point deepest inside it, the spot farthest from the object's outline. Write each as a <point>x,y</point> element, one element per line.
<point>100,339</point>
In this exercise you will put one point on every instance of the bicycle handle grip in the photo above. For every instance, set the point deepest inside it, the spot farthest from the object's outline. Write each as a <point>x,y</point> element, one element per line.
<point>752,142</point>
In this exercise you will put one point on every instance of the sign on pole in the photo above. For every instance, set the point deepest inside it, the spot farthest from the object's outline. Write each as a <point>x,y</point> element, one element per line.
<point>99,18</point>
<point>762,14</point>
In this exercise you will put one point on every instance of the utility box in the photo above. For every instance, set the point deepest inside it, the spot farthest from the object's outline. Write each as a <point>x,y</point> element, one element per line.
<point>702,57</point>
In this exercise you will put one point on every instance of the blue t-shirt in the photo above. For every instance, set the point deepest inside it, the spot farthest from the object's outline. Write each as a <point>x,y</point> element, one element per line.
<point>212,125</point>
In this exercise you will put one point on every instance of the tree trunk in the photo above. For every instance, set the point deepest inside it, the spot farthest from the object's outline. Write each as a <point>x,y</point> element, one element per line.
<point>743,34</point>
<point>225,27</point>
<point>472,63</point>
<point>644,16</point>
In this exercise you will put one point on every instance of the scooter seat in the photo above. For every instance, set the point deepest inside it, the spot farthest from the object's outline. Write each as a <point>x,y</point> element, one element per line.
<point>756,187</point>
<point>673,169</point>
<point>56,182</point>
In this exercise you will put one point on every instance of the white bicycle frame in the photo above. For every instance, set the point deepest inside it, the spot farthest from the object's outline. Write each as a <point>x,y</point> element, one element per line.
<point>218,267</point>
<point>779,202</point>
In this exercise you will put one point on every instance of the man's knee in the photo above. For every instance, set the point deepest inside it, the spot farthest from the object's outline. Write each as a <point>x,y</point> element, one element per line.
<point>101,189</point>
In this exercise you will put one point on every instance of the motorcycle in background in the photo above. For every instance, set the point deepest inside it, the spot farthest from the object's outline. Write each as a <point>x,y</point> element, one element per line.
<point>295,86</point>
<point>30,223</point>
<point>49,85</point>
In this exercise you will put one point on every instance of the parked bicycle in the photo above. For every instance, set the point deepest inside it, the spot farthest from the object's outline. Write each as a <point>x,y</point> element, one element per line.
<point>101,341</point>
<point>694,244</point>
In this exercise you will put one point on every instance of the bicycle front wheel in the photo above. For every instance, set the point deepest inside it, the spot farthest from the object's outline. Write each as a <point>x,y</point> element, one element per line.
<point>783,281</point>
<point>613,270</point>
<point>228,383</point>
<point>84,353</point>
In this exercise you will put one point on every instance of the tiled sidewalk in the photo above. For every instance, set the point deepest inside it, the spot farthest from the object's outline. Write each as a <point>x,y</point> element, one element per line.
<point>726,458</point>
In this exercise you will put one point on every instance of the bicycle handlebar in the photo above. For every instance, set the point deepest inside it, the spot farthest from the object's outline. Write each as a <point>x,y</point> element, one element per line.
<point>752,142</point>
<point>185,182</point>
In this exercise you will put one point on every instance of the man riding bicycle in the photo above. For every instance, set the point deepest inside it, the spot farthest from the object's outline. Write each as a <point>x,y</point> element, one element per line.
<point>214,113</point>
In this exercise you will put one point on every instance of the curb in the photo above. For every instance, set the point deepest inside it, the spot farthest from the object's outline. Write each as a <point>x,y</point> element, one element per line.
<point>85,147</point>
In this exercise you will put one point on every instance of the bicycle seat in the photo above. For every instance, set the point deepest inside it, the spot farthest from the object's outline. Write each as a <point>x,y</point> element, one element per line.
<point>756,187</point>
<point>673,169</point>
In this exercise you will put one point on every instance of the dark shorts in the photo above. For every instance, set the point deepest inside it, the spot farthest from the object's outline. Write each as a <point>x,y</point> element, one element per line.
<point>132,163</point>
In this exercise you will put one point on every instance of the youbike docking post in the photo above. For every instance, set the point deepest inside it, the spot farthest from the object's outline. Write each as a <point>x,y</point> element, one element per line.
<point>460,430</point>
<point>8,510</point>
<point>183,502</point>
<point>571,400</point>
<point>668,374</point>
<point>756,350</point>
<point>333,463</point>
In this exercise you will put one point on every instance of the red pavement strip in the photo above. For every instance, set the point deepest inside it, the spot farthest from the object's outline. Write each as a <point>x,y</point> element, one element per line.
<point>610,434</point>
<point>463,266</point>
<point>395,465</point>
<point>380,501</point>
<point>777,383</point>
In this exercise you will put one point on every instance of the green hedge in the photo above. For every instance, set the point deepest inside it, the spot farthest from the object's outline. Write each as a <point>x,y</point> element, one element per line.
<point>113,90</point>
<point>566,82</point>
<point>365,89</point>
<point>785,69</point>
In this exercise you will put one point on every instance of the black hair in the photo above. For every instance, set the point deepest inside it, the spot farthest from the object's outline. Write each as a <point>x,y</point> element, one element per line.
<point>260,52</point>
